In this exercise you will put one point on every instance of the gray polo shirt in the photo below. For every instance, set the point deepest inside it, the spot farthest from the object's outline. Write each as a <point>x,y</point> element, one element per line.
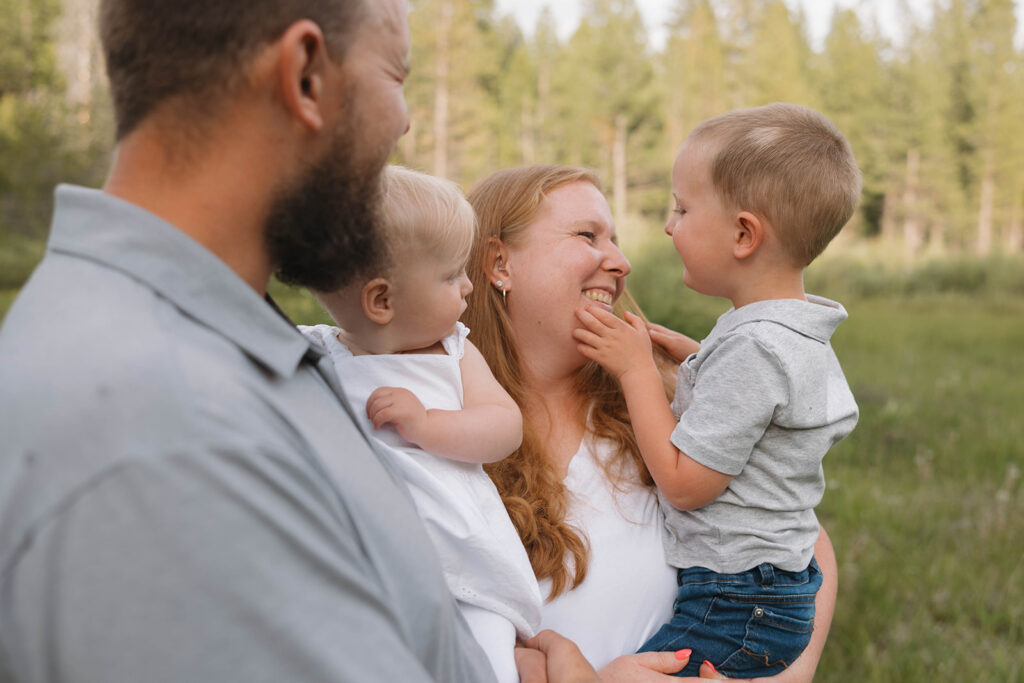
<point>166,513</point>
<point>763,400</point>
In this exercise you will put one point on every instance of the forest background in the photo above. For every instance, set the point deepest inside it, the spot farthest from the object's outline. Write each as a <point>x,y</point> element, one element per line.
<point>925,503</point>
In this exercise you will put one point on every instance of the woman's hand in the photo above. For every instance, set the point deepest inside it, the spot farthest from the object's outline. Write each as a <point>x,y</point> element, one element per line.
<point>562,660</point>
<point>645,667</point>
<point>677,345</point>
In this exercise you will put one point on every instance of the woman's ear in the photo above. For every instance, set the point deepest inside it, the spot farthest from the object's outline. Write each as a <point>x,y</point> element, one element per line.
<point>496,264</point>
<point>748,234</point>
<point>301,70</point>
<point>376,298</point>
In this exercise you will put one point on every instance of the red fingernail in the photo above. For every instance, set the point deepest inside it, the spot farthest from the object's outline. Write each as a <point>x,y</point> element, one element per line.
<point>683,654</point>
<point>713,669</point>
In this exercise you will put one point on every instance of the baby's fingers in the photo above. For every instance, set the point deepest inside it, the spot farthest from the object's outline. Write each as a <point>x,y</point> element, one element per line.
<point>378,406</point>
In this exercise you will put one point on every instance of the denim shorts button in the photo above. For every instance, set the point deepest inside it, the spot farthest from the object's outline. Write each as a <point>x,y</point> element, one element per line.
<point>758,612</point>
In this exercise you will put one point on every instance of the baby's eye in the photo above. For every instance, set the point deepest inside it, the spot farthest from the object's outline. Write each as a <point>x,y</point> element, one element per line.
<point>680,210</point>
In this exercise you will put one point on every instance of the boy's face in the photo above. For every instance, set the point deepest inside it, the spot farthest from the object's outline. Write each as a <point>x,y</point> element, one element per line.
<point>700,226</point>
<point>429,295</point>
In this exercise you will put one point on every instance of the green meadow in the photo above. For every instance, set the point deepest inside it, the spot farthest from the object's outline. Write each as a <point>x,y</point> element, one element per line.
<point>925,502</point>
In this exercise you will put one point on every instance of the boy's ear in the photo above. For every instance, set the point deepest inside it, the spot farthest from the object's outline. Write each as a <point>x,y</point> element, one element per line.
<point>748,235</point>
<point>302,61</point>
<point>376,300</point>
<point>496,264</point>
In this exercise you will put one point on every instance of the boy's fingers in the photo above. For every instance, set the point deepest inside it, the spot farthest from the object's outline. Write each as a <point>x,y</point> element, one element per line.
<point>586,336</point>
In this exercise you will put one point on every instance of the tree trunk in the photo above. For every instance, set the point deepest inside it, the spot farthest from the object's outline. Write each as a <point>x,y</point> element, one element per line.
<point>619,168</point>
<point>527,142</point>
<point>937,237</point>
<point>911,218</point>
<point>988,187</point>
<point>1015,231</point>
<point>540,119</point>
<point>441,74</point>
<point>889,229</point>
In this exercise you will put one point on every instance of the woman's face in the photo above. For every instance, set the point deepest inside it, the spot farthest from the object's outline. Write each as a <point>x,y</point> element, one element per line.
<point>567,258</point>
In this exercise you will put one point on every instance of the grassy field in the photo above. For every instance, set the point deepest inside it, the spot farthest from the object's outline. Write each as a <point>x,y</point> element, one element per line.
<point>925,502</point>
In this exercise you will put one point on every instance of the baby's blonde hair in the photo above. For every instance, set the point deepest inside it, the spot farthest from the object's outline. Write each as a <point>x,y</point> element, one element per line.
<point>425,213</point>
<point>787,163</point>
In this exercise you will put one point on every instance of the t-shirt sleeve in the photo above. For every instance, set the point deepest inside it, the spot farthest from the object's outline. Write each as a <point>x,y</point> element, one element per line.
<point>736,391</point>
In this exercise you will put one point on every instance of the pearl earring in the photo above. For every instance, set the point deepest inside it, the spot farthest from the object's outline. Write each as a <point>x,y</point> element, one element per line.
<point>499,284</point>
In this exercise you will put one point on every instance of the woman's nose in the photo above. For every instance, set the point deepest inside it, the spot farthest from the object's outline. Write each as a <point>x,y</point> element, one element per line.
<point>616,261</point>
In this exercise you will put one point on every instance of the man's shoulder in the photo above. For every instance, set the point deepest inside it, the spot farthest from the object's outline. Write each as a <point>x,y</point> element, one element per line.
<point>86,340</point>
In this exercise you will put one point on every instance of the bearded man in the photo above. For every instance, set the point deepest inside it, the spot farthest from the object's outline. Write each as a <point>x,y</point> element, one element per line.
<point>166,513</point>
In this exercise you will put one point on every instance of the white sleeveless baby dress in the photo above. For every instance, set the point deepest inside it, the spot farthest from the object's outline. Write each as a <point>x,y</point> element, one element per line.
<point>484,561</point>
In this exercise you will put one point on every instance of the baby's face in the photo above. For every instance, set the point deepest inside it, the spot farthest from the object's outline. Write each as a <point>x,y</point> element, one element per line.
<point>700,226</point>
<point>429,296</point>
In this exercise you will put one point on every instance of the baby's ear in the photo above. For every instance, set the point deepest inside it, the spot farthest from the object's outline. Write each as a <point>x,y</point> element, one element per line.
<point>376,300</point>
<point>748,234</point>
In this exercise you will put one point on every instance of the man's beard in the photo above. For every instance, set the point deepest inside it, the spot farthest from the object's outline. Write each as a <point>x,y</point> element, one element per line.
<point>323,232</point>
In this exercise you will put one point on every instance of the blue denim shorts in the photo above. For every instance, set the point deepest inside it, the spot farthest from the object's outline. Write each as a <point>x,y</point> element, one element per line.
<point>748,625</point>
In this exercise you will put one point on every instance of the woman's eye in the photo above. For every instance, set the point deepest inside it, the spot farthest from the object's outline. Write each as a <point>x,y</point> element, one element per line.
<point>680,210</point>
<point>588,235</point>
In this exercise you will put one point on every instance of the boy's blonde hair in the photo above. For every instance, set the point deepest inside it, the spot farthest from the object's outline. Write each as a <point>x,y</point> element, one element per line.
<point>787,163</point>
<point>426,213</point>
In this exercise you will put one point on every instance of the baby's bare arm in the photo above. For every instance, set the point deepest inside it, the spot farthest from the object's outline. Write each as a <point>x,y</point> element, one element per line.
<point>488,428</point>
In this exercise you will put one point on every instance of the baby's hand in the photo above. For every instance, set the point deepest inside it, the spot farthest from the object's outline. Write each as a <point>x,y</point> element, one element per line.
<point>400,408</point>
<point>617,345</point>
<point>677,345</point>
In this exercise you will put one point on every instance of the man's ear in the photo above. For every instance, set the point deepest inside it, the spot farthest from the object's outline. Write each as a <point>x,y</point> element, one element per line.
<point>376,298</point>
<point>748,234</point>
<point>496,264</point>
<point>301,67</point>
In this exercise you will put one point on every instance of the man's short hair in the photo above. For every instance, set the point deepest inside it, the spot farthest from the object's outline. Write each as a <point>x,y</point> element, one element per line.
<point>156,50</point>
<point>425,212</point>
<point>787,163</point>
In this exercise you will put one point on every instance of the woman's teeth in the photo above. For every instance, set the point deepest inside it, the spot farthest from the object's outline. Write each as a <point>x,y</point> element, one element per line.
<point>598,295</point>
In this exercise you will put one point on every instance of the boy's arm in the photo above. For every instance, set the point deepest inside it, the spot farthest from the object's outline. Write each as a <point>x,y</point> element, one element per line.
<point>623,348</point>
<point>488,428</point>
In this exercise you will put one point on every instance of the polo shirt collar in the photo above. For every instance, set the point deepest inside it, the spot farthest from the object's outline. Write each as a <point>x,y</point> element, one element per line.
<point>94,225</point>
<point>816,318</point>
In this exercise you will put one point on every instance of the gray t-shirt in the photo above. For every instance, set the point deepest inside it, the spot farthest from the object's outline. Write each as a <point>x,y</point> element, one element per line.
<point>763,400</point>
<point>167,512</point>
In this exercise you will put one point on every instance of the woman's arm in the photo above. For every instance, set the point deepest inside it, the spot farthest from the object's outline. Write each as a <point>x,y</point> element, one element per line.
<point>488,428</point>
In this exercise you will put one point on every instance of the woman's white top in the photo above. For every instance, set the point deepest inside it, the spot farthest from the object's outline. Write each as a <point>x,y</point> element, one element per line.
<point>484,561</point>
<point>629,589</point>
